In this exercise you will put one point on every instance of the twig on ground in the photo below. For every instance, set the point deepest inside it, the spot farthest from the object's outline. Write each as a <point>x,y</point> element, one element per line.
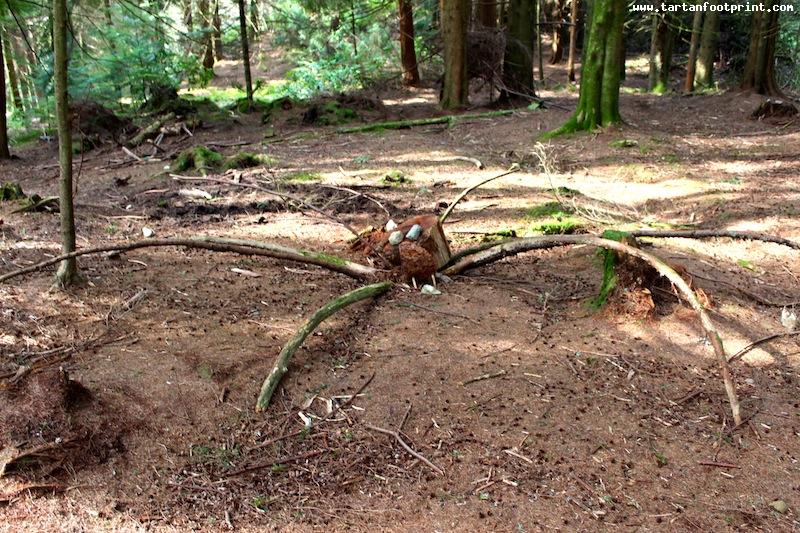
<point>407,448</point>
<point>761,341</point>
<point>711,234</point>
<point>718,464</point>
<point>484,377</point>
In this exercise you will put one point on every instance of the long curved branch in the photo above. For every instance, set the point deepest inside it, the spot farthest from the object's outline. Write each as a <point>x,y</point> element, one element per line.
<point>282,363</point>
<point>551,241</point>
<point>514,168</point>
<point>710,234</point>
<point>219,244</point>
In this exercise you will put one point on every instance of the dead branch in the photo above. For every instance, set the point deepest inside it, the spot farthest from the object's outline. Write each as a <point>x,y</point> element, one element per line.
<point>151,130</point>
<point>282,364</point>
<point>484,377</point>
<point>711,234</point>
<point>218,244</point>
<point>450,120</point>
<point>514,168</point>
<point>407,448</point>
<point>761,341</point>
<point>550,241</point>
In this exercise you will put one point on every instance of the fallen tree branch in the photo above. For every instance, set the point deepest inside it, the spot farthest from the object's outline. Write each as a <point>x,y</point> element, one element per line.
<point>465,192</point>
<point>150,130</point>
<point>282,364</point>
<point>450,120</point>
<point>761,341</point>
<point>218,244</point>
<point>551,241</point>
<point>407,448</point>
<point>710,234</point>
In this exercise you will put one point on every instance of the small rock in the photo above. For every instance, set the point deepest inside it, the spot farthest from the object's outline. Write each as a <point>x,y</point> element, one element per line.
<point>396,238</point>
<point>391,225</point>
<point>147,232</point>
<point>443,278</point>
<point>414,233</point>
<point>780,506</point>
<point>430,289</point>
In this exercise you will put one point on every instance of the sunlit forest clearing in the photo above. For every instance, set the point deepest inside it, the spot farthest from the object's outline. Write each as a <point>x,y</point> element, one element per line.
<point>412,266</point>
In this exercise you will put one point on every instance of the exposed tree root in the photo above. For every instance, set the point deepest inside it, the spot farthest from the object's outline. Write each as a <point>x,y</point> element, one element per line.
<point>217,244</point>
<point>761,341</point>
<point>281,365</point>
<point>710,234</point>
<point>523,245</point>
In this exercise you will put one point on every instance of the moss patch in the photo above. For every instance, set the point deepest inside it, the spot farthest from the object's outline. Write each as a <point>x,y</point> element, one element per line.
<point>198,158</point>
<point>11,191</point>
<point>248,160</point>
<point>303,176</point>
<point>552,218</point>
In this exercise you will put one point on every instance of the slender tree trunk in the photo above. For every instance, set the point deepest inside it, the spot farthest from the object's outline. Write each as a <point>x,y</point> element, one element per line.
<point>697,28</point>
<point>759,71</point>
<point>598,104</point>
<point>13,78</point>
<point>4,152</point>
<point>248,80</point>
<point>660,53</point>
<point>24,69</point>
<point>353,30</point>
<point>408,54</point>
<point>455,19</point>
<point>207,41</point>
<point>539,50</point>
<point>704,71</point>
<point>486,11</point>
<point>518,61</point>
<point>255,21</point>
<point>188,15</point>
<point>573,34</point>
<point>68,269</point>
<point>216,20</point>
<point>557,32</point>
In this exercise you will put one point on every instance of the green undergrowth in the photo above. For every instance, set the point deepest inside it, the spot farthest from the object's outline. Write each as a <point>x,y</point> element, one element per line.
<point>205,160</point>
<point>608,260</point>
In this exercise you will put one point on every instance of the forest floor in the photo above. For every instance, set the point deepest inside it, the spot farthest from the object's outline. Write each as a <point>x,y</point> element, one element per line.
<point>594,420</point>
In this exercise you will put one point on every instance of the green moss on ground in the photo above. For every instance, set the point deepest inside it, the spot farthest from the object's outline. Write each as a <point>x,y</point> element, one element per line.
<point>248,160</point>
<point>200,158</point>
<point>552,218</point>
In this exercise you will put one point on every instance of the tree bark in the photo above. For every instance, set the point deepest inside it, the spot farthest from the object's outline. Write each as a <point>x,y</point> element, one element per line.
<point>219,53</point>
<point>486,13</point>
<point>68,269</point>
<point>573,34</point>
<point>539,48</point>
<point>759,71</point>
<point>248,79</point>
<point>660,53</point>
<point>11,68</point>
<point>207,41</point>
<point>691,66</point>
<point>598,104</point>
<point>557,33</point>
<point>4,151</point>
<point>408,53</point>
<point>455,86</point>
<point>704,71</point>
<point>518,61</point>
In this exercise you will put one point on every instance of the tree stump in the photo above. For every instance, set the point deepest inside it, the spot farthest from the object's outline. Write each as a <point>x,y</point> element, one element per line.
<point>772,107</point>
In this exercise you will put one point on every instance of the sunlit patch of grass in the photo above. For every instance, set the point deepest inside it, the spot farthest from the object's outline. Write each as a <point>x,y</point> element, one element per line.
<point>552,218</point>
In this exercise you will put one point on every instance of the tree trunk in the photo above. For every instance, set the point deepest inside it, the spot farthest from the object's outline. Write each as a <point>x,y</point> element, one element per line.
<point>573,34</point>
<point>704,71</point>
<point>518,61</point>
<point>13,78</point>
<point>408,54</point>
<point>188,16</point>
<point>697,28</point>
<point>4,152</point>
<point>255,21</point>
<point>660,53</point>
<point>455,86</point>
<point>759,71</point>
<point>68,269</point>
<point>487,13</point>
<point>557,41</point>
<point>598,104</point>
<point>207,41</point>
<point>248,80</point>
<point>219,54</point>
<point>539,49</point>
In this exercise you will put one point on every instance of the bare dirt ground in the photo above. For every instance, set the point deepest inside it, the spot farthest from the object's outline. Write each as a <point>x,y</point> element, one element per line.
<point>598,421</point>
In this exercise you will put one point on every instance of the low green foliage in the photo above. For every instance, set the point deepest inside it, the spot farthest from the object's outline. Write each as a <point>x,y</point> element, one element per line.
<point>394,177</point>
<point>198,158</point>
<point>11,191</point>
<point>624,143</point>
<point>552,218</point>
<point>248,160</point>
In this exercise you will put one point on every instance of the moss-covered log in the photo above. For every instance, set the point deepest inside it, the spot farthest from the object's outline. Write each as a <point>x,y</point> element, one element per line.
<point>282,364</point>
<point>447,119</point>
